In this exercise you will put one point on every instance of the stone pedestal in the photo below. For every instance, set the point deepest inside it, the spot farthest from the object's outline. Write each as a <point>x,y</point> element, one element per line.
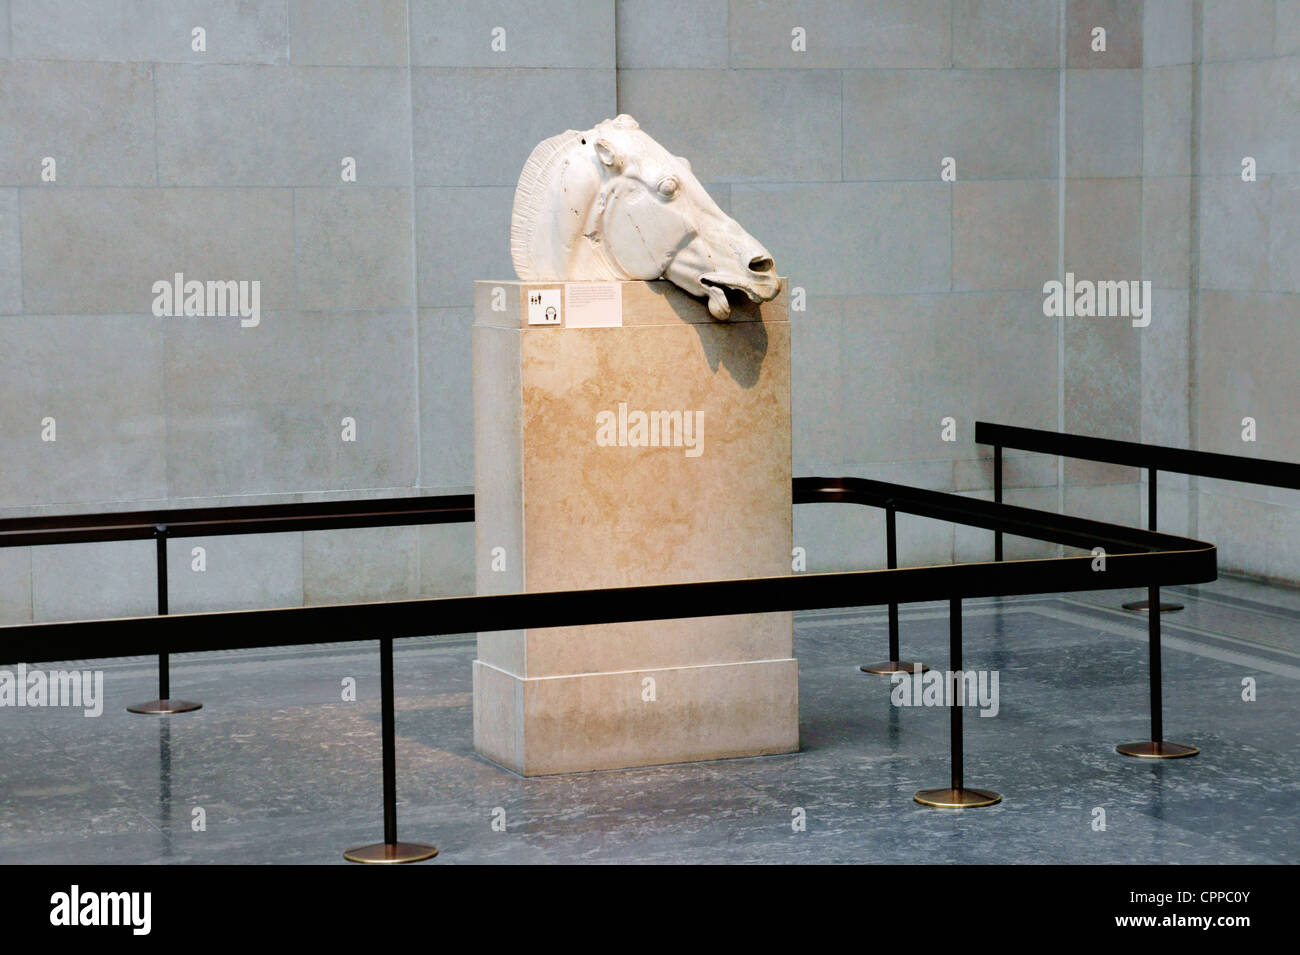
<point>624,437</point>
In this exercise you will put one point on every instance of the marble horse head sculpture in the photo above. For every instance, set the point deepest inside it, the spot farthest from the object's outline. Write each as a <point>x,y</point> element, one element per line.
<point>611,203</point>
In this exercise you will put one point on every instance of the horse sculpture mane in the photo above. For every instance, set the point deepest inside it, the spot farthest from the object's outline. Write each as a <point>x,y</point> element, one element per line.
<point>611,203</point>
<point>531,209</point>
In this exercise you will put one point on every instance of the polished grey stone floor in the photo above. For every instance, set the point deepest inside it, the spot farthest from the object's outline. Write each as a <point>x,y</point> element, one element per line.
<point>284,771</point>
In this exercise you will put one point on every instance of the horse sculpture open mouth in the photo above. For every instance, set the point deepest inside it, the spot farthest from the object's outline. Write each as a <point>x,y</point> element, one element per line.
<point>611,203</point>
<point>724,292</point>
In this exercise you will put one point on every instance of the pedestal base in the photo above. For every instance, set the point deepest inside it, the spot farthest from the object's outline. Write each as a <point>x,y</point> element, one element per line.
<point>957,798</point>
<point>1144,606</point>
<point>567,724</point>
<point>383,853</point>
<point>894,666</point>
<point>1152,750</point>
<point>164,707</point>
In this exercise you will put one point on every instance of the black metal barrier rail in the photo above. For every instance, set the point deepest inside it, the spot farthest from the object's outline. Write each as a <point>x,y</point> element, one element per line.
<point>1227,467</point>
<point>1133,557</point>
<point>238,519</point>
<point>159,525</point>
<point>1155,458</point>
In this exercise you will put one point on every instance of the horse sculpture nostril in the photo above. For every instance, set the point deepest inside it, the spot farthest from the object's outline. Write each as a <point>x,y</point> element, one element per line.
<point>761,264</point>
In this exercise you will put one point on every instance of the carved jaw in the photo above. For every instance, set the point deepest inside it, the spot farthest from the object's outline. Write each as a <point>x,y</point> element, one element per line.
<point>717,286</point>
<point>725,264</point>
<point>722,287</point>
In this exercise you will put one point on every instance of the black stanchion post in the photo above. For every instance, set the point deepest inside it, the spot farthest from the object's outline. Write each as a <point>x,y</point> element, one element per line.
<point>1153,640</point>
<point>1152,523</point>
<point>388,730</point>
<point>1156,748</point>
<point>997,497</point>
<point>390,850</point>
<point>956,796</point>
<point>1146,605</point>
<point>891,560</point>
<point>164,661</point>
<point>164,704</point>
<point>955,739</point>
<point>893,664</point>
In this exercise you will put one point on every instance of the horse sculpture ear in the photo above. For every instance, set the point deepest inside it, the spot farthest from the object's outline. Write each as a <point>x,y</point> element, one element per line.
<point>608,155</point>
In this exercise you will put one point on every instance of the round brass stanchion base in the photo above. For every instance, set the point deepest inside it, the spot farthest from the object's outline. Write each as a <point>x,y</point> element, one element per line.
<point>1161,750</point>
<point>163,707</point>
<point>384,853</point>
<point>957,798</point>
<point>894,666</point>
<point>1144,606</point>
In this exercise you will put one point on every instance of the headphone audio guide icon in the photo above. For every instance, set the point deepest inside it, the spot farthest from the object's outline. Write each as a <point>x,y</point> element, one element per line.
<point>544,306</point>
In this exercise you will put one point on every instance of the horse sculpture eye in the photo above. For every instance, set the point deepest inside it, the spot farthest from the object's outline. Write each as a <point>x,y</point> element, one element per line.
<point>668,186</point>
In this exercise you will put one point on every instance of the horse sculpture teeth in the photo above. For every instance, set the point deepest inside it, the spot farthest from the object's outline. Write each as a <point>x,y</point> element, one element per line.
<point>610,203</point>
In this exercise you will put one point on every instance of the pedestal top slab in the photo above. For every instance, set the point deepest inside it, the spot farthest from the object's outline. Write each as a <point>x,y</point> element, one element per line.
<point>505,304</point>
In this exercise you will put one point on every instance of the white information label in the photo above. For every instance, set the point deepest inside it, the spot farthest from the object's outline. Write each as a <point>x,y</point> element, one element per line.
<point>544,306</point>
<point>593,305</point>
